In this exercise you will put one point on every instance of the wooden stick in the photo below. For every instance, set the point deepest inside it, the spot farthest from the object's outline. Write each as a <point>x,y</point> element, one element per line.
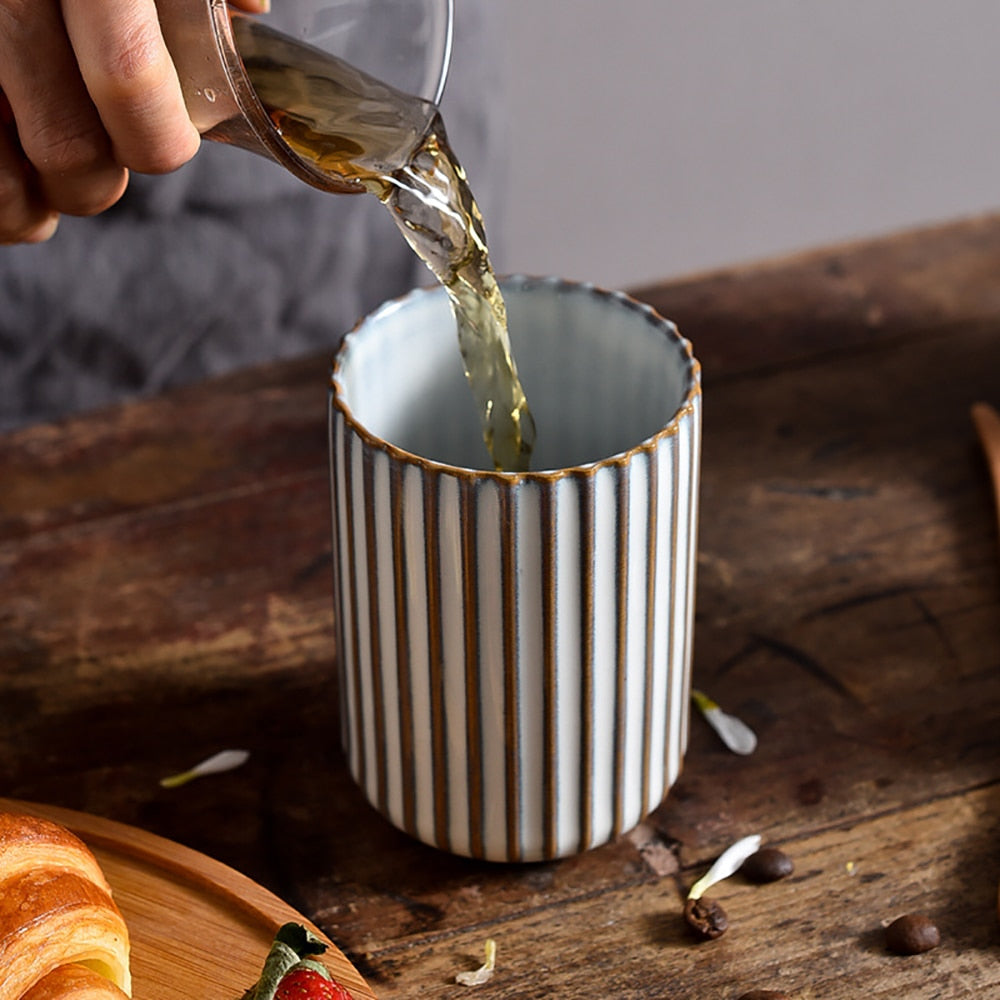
<point>987,422</point>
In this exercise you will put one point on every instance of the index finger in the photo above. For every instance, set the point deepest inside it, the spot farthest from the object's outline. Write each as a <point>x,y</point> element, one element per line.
<point>132,82</point>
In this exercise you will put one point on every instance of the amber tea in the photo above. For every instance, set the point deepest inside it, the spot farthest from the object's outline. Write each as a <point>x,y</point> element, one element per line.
<point>394,146</point>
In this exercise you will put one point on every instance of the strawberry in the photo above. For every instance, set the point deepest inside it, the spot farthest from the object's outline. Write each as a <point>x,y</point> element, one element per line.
<point>302,983</point>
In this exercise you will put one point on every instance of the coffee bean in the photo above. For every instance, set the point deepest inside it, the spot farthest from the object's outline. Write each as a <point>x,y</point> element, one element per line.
<point>764,995</point>
<point>912,934</point>
<point>706,918</point>
<point>767,865</point>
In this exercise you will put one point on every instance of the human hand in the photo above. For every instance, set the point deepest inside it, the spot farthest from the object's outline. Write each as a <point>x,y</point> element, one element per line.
<point>88,92</point>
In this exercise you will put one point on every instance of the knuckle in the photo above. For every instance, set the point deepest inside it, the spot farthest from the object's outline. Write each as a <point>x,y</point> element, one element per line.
<point>60,147</point>
<point>77,175</point>
<point>14,13</point>
<point>138,96</point>
<point>134,63</point>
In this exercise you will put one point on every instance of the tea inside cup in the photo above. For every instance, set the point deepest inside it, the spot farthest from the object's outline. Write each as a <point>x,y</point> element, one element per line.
<point>594,394</point>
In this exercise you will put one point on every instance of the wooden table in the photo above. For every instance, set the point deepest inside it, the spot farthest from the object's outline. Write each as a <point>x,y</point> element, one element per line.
<point>165,593</point>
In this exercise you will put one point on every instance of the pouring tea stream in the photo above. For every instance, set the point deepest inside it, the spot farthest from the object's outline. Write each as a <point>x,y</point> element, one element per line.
<point>345,131</point>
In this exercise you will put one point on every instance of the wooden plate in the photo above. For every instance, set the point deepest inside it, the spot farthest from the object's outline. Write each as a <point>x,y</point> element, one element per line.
<point>198,928</point>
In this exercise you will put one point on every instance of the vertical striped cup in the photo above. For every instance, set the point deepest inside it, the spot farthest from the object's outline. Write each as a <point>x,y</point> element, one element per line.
<point>515,648</point>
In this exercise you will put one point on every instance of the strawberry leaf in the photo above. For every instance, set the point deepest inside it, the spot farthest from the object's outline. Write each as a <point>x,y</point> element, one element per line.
<point>292,944</point>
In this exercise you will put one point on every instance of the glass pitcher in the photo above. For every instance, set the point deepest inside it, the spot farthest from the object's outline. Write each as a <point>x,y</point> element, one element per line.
<point>404,44</point>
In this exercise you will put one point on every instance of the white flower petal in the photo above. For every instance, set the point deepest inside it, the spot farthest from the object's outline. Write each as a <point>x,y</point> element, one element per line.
<point>485,972</point>
<point>726,864</point>
<point>225,760</point>
<point>734,732</point>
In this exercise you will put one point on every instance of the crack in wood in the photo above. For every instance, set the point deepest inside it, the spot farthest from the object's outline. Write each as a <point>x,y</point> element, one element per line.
<point>799,657</point>
<point>858,601</point>
<point>839,493</point>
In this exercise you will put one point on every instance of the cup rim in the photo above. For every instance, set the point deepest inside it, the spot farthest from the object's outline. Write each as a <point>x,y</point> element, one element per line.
<point>685,410</point>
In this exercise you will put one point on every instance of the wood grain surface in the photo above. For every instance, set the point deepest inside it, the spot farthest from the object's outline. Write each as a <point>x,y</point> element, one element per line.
<point>165,593</point>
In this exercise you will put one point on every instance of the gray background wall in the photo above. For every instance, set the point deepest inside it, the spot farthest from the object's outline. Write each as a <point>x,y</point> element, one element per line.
<point>656,137</point>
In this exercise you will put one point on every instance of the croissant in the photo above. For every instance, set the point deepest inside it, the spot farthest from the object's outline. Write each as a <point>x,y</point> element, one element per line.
<point>61,934</point>
<point>73,982</point>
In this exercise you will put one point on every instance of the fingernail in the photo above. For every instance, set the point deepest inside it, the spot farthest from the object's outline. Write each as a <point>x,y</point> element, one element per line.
<point>44,231</point>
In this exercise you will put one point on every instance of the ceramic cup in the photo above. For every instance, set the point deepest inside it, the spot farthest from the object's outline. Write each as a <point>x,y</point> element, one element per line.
<point>515,649</point>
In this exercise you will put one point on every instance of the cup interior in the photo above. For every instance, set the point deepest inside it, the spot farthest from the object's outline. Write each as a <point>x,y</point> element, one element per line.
<point>602,374</point>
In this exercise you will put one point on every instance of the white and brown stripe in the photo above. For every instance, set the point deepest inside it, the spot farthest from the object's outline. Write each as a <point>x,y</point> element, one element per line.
<point>522,642</point>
